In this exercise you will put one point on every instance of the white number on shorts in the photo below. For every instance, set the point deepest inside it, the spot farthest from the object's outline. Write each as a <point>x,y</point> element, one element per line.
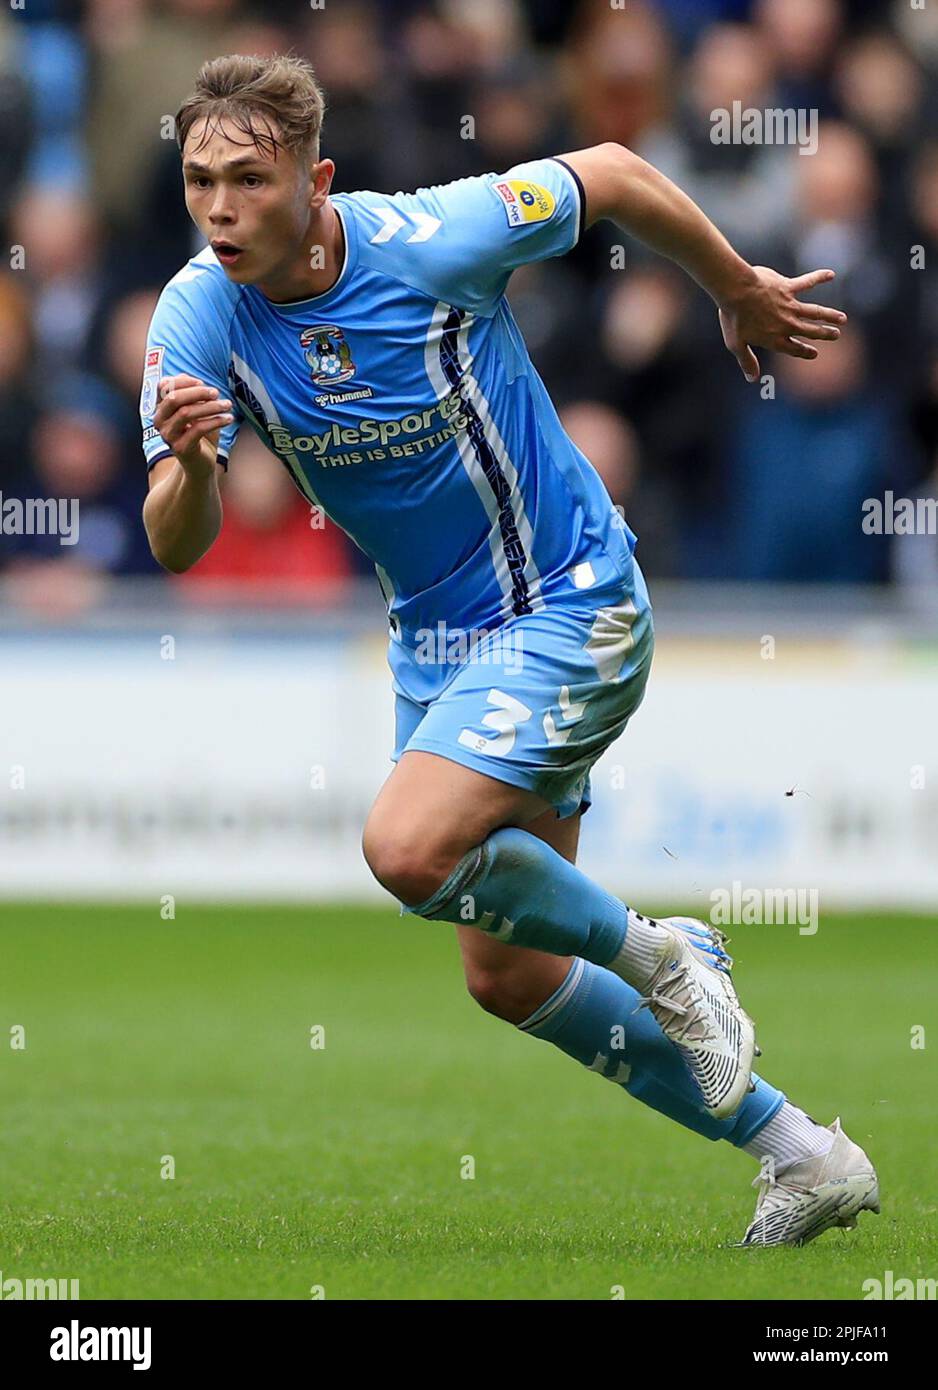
<point>504,719</point>
<point>572,711</point>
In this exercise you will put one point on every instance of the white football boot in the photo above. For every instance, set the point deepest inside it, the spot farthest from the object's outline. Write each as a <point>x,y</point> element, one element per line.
<point>811,1196</point>
<point>706,940</point>
<point>692,998</point>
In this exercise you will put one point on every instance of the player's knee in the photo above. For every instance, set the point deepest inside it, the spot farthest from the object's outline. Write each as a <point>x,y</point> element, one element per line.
<point>405,863</point>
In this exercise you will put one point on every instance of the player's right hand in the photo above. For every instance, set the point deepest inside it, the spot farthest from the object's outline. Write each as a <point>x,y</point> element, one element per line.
<point>190,417</point>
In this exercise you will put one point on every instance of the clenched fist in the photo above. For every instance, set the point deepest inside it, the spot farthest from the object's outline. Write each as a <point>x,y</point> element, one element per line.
<point>190,417</point>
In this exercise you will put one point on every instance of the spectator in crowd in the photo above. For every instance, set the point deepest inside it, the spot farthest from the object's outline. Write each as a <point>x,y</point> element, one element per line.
<point>60,236</point>
<point>923,244</point>
<point>880,88</point>
<point>805,462</point>
<point>143,60</point>
<point>18,398</point>
<point>365,81</point>
<point>610,442</point>
<point>741,187</point>
<point>124,338</point>
<point>803,37</point>
<point>836,218</point>
<point>79,447</point>
<point>16,113</point>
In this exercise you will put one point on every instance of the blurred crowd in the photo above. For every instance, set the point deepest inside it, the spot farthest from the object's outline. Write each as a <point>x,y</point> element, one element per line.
<point>719,479</point>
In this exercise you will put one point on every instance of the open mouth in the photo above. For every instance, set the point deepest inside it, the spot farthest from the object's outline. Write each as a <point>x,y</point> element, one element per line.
<point>226,251</point>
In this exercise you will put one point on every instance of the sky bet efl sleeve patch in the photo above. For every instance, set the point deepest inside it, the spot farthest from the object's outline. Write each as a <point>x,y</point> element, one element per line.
<point>524,202</point>
<point>151,378</point>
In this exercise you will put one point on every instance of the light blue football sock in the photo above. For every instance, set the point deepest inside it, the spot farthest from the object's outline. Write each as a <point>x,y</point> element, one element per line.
<point>592,1017</point>
<point>518,889</point>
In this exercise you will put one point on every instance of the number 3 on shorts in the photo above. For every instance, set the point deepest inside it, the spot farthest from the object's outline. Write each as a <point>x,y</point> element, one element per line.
<point>509,713</point>
<point>504,719</point>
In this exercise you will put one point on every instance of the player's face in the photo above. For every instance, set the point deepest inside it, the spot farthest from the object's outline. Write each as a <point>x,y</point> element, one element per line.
<point>239,196</point>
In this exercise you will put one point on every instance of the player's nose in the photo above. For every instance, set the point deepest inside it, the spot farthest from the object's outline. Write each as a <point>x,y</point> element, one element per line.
<point>221,210</point>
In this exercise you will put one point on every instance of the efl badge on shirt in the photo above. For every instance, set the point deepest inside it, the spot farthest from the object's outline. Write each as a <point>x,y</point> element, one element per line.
<point>524,202</point>
<point>151,377</point>
<point>327,354</point>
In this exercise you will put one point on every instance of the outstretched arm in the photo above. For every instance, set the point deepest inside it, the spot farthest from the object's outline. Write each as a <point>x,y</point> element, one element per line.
<point>757,306</point>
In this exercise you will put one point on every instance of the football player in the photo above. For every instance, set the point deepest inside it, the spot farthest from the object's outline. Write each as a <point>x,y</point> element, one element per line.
<point>367,340</point>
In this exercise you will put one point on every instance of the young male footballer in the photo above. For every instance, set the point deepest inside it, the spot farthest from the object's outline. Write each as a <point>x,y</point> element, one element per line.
<point>366,338</point>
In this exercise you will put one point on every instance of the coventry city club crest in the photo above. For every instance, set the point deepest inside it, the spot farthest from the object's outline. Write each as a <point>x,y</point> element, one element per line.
<point>327,355</point>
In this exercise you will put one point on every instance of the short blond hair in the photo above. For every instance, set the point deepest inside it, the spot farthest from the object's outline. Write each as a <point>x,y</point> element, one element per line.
<point>282,90</point>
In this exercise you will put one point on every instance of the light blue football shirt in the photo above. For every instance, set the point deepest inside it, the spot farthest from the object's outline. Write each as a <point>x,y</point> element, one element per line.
<point>403,401</point>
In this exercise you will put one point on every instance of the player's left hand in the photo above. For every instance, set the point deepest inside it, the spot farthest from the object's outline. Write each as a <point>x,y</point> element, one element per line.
<point>767,312</point>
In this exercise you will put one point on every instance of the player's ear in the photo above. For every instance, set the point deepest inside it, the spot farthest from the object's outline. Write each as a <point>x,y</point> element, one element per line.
<point>321,174</point>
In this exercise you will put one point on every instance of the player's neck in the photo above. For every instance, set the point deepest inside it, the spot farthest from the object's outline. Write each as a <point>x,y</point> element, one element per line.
<point>318,265</point>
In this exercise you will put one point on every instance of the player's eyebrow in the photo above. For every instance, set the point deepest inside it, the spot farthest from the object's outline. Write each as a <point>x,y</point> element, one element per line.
<point>194,167</point>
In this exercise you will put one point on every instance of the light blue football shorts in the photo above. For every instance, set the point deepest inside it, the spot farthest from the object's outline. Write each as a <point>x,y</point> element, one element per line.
<point>533,702</point>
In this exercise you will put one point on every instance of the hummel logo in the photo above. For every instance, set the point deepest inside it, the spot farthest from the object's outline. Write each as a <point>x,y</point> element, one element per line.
<point>427,226</point>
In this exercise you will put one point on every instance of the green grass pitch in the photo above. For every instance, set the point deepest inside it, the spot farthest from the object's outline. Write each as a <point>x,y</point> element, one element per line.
<point>340,1167</point>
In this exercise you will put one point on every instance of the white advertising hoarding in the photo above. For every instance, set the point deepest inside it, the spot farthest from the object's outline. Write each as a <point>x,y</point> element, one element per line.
<point>226,768</point>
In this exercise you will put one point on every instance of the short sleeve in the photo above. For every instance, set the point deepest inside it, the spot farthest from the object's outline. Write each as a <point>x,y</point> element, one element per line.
<point>461,241</point>
<point>187,334</point>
